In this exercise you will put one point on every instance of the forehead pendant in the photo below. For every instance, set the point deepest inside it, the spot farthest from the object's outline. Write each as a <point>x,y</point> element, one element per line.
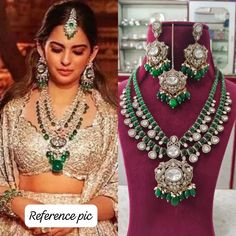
<point>70,27</point>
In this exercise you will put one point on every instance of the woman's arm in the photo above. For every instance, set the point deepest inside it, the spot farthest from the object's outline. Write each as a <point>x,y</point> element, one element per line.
<point>18,204</point>
<point>105,207</point>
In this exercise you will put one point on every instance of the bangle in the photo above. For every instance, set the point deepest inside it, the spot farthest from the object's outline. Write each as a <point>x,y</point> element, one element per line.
<point>5,202</point>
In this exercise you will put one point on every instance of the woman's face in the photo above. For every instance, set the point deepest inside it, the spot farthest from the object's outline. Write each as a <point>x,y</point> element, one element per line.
<point>67,58</point>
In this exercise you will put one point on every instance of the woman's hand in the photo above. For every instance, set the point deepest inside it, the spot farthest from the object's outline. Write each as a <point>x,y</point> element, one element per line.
<point>19,204</point>
<point>60,231</point>
<point>53,231</point>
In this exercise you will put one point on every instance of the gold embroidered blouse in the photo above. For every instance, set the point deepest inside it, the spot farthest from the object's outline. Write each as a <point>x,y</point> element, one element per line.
<point>85,150</point>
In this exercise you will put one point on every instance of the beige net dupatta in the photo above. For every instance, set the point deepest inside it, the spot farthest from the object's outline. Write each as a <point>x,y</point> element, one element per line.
<point>8,169</point>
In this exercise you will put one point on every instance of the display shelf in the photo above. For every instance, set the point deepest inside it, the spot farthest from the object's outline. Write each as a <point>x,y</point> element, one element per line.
<point>134,17</point>
<point>220,17</point>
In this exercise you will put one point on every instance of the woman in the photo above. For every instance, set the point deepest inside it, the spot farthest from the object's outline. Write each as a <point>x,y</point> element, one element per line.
<point>58,139</point>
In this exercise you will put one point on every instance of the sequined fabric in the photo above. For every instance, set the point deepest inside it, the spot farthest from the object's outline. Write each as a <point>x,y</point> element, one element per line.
<point>93,158</point>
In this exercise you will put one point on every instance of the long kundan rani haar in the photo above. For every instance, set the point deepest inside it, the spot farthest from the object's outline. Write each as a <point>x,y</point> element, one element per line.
<point>59,133</point>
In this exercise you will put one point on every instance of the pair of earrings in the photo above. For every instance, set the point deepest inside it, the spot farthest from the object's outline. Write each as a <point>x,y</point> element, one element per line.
<point>173,83</point>
<point>86,81</point>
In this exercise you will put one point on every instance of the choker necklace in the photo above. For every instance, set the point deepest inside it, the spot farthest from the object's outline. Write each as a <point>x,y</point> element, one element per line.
<point>59,133</point>
<point>174,177</point>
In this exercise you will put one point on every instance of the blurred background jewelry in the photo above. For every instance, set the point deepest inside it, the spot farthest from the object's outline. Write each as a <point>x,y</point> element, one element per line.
<point>42,73</point>
<point>195,64</point>
<point>156,53</point>
<point>87,79</point>
<point>173,90</point>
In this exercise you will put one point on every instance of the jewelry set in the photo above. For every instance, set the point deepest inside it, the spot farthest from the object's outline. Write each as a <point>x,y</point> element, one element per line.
<point>173,83</point>
<point>174,176</point>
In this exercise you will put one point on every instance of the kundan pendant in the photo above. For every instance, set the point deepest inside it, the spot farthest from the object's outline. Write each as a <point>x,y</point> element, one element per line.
<point>174,177</point>
<point>174,181</point>
<point>173,88</point>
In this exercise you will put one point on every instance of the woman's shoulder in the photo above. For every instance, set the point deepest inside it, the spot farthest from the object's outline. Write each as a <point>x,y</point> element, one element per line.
<point>15,104</point>
<point>103,106</point>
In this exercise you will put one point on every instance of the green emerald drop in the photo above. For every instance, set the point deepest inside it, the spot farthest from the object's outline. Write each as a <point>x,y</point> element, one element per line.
<point>71,24</point>
<point>173,103</point>
<point>155,73</point>
<point>163,97</point>
<point>147,67</point>
<point>158,192</point>
<point>187,95</point>
<point>163,195</point>
<point>183,69</point>
<point>182,95</point>
<point>174,201</point>
<point>179,99</point>
<point>57,166</point>
<point>168,197</point>
<point>193,192</point>
<point>188,71</point>
<point>187,193</point>
<point>167,65</point>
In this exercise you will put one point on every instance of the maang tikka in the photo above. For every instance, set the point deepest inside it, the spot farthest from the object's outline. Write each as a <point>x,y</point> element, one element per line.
<point>195,64</point>
<point>173,83</point>
<point>156,53</point>
<point>70,27</point>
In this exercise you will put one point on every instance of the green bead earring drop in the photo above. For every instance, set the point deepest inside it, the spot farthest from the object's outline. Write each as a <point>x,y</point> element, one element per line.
<point>156,52</point>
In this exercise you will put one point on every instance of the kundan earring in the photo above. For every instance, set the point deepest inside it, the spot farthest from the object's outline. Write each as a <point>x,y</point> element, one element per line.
<point>195,64</point>
<point>173,83</point>
<point>87,79</point>
<point>156,53</point>
<point>42,73</point>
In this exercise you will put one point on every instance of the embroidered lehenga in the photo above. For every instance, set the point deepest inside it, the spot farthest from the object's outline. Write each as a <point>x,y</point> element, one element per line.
<point>93,159</point>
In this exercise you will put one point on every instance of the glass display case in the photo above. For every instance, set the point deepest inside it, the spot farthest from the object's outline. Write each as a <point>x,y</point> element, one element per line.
<point>220,17</point>
<point>134,17</point>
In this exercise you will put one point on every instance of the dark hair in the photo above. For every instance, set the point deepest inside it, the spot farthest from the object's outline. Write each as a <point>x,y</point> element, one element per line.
<point>56,15</point>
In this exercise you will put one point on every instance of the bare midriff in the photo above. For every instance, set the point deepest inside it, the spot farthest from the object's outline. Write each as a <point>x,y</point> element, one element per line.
<point>50,183</point>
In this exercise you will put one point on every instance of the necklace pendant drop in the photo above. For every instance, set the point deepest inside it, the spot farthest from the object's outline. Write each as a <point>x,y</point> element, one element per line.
<point>174,177</point>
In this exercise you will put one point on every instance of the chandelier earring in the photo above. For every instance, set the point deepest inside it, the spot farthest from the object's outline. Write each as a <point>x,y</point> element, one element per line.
<point>195,64</point>
<point>87,79</point>
<point>42,74</point>
<point>156,53</point>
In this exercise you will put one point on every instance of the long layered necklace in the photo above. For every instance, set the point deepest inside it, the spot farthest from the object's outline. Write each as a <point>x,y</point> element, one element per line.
<point>174,177</point>
<point>59,133</point>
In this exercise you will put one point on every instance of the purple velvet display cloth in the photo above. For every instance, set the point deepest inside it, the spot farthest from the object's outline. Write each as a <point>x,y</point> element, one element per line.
<point>192,217</point>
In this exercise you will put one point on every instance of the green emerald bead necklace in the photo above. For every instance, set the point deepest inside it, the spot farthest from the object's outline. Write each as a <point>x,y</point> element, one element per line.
<point>59,133</point>
<point>174,177</point>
